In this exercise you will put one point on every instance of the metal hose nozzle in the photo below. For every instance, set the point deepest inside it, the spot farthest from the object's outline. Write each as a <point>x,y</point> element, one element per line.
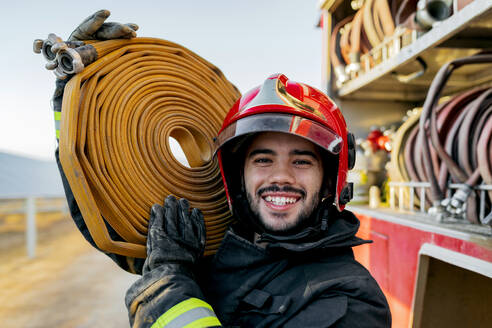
<point>73,61</point>
<point>46,49</point>
<point>432,11</point>
<point>340,74</point>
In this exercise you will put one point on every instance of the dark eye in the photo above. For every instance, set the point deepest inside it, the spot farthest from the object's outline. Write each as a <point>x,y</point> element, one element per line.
<point>262,160</point>
<point>302,162</point>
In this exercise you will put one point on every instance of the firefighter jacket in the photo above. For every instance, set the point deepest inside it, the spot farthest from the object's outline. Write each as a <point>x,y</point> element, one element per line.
<point>309,279</point>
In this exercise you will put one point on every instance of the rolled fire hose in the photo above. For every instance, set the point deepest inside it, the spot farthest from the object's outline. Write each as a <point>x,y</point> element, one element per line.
<point>345,43</point>
<point>355,43</point>
<point>336,61</point>
<point>406,9</point>
<point>398,168</point>
<point>381,10</point>
<point>458,137</point>
<point>377,23</point>
<point>395,6</point>
<point>462,147</point>
<point>118,115</point>
<point>476,114</point>
<point>355,40</point>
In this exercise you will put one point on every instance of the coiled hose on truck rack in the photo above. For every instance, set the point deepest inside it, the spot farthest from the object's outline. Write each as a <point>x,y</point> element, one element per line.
<point>374,24</point>
<point>471,135</point>
<point>452,143</point>
<point>358,34</point>
<point>118,114</point>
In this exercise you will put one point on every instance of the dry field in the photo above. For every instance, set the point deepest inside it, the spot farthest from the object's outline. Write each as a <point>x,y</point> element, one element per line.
<point>67,284</point>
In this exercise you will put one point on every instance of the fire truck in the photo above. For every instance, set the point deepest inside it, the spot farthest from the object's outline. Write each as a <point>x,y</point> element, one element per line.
<point>432,260</point>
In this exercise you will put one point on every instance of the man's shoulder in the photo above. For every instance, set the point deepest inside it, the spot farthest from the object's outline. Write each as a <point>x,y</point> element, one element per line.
<point>336,263</point>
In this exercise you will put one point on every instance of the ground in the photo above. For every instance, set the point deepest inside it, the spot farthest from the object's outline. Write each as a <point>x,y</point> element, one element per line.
<point>67,284</point>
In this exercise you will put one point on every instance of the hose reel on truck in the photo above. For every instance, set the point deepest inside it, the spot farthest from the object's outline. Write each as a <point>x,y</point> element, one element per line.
<point>401,232</point>
<point>449,142</point>
<point>360,41</point>
<point>118,114</point>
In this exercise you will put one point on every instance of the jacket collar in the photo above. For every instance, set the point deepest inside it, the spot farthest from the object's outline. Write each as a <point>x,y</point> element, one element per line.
<point>338,231</point>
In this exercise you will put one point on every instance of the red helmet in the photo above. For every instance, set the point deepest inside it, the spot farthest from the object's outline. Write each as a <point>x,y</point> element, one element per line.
<point>287,106</point>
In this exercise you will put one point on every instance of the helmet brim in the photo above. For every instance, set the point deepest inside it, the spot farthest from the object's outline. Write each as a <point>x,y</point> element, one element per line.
<point>275,122</point>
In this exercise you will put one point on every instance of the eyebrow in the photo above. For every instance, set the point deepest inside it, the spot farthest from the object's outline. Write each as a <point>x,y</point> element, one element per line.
<point>261,151</point>
<point>305,153</point>
<point>293,152</point>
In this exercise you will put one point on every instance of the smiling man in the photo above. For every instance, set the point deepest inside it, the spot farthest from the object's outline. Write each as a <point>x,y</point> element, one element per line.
<point>284,152</point>
<point>282,177</point>
<point>287,261</point>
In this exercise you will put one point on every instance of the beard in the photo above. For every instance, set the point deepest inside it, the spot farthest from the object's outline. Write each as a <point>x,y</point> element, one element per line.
<point>285,226</point>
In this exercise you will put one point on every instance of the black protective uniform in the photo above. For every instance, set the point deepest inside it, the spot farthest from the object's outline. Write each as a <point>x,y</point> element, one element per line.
<point>307,279</point>
<point>303,279</point>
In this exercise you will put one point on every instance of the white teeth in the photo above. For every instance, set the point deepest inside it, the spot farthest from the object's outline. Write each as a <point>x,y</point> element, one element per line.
<point>280,200</point>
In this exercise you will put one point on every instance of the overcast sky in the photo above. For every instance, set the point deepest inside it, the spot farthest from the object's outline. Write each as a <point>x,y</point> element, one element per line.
<point>247,40</point>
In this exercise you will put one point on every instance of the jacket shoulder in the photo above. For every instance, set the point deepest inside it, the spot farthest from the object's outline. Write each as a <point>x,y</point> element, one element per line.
<point>345,279</point>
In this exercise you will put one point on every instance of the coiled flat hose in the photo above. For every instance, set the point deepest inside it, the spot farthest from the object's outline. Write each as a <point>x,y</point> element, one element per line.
<point>452,143</point>
<point>334,45</point>
<point>398,168</point>
<point>117,117</point>
<point>432,97</point>
<point>383,26</point>
<point>368,28</point>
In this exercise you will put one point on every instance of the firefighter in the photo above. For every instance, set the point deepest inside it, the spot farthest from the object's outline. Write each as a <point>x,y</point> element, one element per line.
<point>287,261</point>
<point>284,153</point>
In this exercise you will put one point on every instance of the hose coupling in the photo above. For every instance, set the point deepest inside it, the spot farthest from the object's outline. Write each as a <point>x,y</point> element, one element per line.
<point>340,75</point>
<point>37,45</point>
<point>51,48</point>
<point>432,11</point>
<point>438,210</point>
<point>457,203</point>
<point>74,60</point>
<point>45,47</point>
<point>354,65</point>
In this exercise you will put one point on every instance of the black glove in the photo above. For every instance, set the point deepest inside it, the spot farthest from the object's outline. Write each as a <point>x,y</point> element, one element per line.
<point>175,235</point>
<point>94,28</point>
<point>175,240</point>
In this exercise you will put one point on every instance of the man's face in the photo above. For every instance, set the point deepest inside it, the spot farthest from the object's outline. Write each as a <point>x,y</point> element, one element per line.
<point>283,175</point>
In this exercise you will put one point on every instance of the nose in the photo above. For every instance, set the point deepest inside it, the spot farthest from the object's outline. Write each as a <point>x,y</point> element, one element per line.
<point>282,174</point>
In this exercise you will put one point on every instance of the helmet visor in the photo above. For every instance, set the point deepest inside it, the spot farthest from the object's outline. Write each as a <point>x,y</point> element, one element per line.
<point>292,124</point>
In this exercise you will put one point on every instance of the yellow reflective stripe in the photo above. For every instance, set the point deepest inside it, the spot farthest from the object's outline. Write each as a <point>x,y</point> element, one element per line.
<point>204,322</point>
<point>57,134</point>
<point>178,310</point>
<point>57,116</point>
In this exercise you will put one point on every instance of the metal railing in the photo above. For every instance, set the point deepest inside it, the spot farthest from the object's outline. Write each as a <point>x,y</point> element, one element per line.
<point>30,208</point>
<point>420,187</point>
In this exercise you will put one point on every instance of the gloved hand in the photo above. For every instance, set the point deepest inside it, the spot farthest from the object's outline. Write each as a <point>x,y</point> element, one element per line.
<point>175,235</point>
<point>175,240</point>
<point>94,28</point>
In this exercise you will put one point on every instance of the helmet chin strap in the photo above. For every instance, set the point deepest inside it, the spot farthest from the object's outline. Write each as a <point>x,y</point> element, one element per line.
<point>242,208</point>
<point>247,220</point>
